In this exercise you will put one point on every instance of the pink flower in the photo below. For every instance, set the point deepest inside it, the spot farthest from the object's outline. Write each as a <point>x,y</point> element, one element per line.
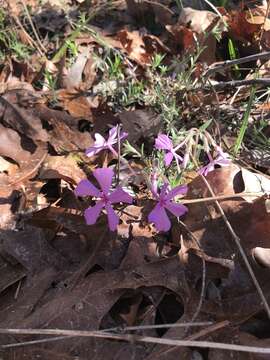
<point>105,198</point>
<point>102,144</point>
<point>158,215</point>
<point>222,159</point>
<point>163,142</point>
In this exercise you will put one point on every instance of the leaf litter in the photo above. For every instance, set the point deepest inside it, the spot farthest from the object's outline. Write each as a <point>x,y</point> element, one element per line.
<point>121,121</point>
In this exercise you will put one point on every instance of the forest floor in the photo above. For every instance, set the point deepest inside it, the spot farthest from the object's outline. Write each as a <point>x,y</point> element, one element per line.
<point>134,179</point>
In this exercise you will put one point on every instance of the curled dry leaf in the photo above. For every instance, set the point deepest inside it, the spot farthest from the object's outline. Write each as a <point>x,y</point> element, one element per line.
<point>250,221</point>
<point>200,22</point>
<point>254,183</point>
<point>61,167</point>
<point>239,28</point>
<point>262,256</point>
<point>77,104</point>
<point>64,138</point>
<point>142,126</point>
<point>31,248</point>
<point>28,169</point>
<point>73,79</point>
<point>20,118</point>
<point>134,46</point>
<point>11,145</point>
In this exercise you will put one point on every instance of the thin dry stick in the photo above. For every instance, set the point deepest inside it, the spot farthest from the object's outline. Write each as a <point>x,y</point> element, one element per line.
<point>228,63</point>
<point>196,336</point>
<point>136,338</point>
<point>235,83</point>
<point>33,28</point>
<point>241,250</point>
<point>208,330</point>
<point>216,11</point>
<point>35,342</point>
<point>29,39</point>
<point>160,326</point>
<point>222,197</point>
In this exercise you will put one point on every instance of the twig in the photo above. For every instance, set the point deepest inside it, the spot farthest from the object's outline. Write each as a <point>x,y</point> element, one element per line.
<point>222,197</point>
<point>33,28</point>
<point>160,326</point>
<point>208,330</point>
<point>228,63</point>
<point>29,39</point>
<point>216,11</point>
<point>34,342</point>
<point>203,332</point>
<point>240,248</point>
<point>235,83</point>
<point>136,338</point>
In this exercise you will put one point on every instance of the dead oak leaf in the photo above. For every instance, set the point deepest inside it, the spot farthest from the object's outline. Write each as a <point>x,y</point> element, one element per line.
<point>134,46</point>
<point>240,28</point>
<point>63,167</point>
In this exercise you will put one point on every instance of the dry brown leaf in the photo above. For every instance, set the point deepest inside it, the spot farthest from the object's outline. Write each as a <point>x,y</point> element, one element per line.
<point>11,145</point>
<point>199,22</point>
<point>61,167</point>
<point>259,20</point>
<point>134,46</point>
<point>77,105</point>
<point>73,78</point>
<point>31,248</point>
<point>240,29</point>
<point>16,112</point>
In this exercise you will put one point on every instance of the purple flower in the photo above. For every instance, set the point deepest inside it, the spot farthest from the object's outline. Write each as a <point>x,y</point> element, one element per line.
<point>105,198</point>
<point>159,215</point>
<point>102,144</point>
<point>222,159</point>
<point>163,142</point>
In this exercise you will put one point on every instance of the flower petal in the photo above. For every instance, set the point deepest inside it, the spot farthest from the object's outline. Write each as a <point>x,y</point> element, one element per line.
<point>104,177</point>
<point>85,188</point>
<point>222,161</point>
<point>92,213</point>
<point>181,189</point>
<point>168,158</point>
<point>91,151</point>
<point>206,169</point>
<point>159,217</point>
<point>163,142</point>
<point>100,144</point>
<point>113,219</point>
<point>100,141</point>
<point>123,135</point>
<point>163,191</point>
<point>119,195</point>
<point>176,209</point>
<point>113,135</point>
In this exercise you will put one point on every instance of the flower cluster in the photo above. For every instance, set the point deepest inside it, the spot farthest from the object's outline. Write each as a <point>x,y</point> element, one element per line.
<point>163,142</point>
<point>164,197</point>
<point>102,144</point>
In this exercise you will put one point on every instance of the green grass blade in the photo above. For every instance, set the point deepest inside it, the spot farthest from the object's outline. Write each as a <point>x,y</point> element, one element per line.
<point>244,125</point>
